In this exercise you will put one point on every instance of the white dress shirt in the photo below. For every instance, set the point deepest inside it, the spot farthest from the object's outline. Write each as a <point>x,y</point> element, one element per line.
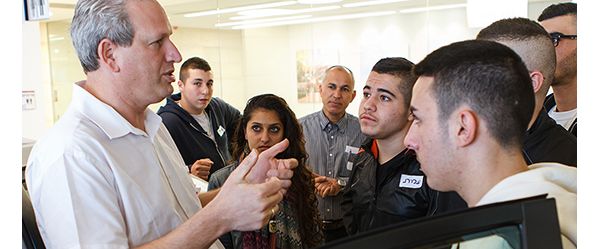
<point>96,181</point>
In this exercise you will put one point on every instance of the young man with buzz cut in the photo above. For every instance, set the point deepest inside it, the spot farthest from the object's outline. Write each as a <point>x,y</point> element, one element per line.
<point>386,185</point>
<point>545,141</point>
<point>471,105</point>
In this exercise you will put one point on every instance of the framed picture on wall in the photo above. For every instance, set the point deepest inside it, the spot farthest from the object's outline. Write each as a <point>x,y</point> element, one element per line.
<point>310,67</point>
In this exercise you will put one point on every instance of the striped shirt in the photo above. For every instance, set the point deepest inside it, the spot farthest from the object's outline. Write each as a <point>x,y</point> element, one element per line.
<point>329,147</point>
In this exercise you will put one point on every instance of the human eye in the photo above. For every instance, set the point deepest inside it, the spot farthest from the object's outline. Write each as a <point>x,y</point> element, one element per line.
<point>274,129</point>
<point>209,84</point>
<point>385,98</point>
<point>256,128</point>
<point>331,86</point>
<point>346,89</point>
<point>366,94</point>
<point>157,43</point>
<point>412,117</point>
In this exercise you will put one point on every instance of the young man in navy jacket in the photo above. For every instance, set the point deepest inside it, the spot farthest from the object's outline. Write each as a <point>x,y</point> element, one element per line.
<point>200,125</point>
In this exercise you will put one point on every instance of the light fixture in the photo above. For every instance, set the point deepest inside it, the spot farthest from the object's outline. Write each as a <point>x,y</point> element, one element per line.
<point>225,24</point>
<point>289,12</point>
<point>236,9</point>
<point>265,12</point>
<point>369,3</point>
<point>439,7</point>
<point>53,37</point>
<point>317,19</point>
<point>318,1</point>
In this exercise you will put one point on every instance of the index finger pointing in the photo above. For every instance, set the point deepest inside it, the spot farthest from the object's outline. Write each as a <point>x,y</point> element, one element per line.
<point>275,149</point>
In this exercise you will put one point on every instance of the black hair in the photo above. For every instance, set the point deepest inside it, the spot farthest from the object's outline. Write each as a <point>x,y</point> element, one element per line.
<point>513,29</point>
<point>559,9</point>
<point>302,192</point>
<point>488,77</point>
<point>193,63</point>
<point>400,68</point>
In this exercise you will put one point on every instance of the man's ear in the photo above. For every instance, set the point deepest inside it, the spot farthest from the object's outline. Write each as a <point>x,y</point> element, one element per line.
<point>180,84</point>
<point>537,80</point>
<point>106,54</point>
<point>467,124</point>
<point>320,86</point>
<point>353,95</point>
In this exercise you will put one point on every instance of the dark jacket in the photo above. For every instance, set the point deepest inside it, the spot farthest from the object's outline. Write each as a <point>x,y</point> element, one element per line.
<point>232,239</point>
<point>547,141</point>
<point>550,103</point>
<point>367,206</point>
<point>191,139</point>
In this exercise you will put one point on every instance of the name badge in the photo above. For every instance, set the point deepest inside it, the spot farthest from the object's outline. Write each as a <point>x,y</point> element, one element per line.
<point>409,181</point>
<point>349,166</point>
<point>221,130</point>
<point>351,149</point>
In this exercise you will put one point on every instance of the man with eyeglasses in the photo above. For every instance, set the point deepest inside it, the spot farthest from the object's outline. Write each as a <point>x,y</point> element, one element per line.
<point>560,20</point>
<point>544,141</point>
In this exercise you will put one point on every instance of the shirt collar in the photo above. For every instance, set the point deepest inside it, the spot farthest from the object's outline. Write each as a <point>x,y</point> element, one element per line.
<point>107,118</point>
<point>342,123</point>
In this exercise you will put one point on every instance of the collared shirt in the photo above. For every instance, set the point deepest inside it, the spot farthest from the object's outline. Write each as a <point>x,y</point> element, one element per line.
<point>329,148</point>
<point>95,181</point>
<point>564,119</point>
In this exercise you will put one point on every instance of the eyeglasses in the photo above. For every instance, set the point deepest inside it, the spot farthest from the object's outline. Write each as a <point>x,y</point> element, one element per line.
<point>556,36</point>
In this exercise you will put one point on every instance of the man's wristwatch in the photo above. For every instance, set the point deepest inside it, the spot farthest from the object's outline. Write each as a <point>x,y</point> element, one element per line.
<point>341,182</point>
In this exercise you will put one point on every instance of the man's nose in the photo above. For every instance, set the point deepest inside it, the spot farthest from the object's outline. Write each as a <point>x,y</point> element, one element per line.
<point>368,105</point>
<point>409,140</point>
<point>172,54</point>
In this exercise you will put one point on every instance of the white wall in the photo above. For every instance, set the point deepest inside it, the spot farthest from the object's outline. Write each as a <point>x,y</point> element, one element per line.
<point>271,52</point>
<point>36,77</point>
<point>223,50</point>
<point>255,61</point>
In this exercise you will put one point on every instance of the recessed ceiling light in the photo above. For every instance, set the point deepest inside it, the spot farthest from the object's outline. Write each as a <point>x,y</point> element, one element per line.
<point>318,1</point>
<point>369,3</point>
<point>439,7</point>
<point>316,19</point>
<point>242,8</point>
<point>291,12</point>
<point>247,22</point>
<point>265,12</point>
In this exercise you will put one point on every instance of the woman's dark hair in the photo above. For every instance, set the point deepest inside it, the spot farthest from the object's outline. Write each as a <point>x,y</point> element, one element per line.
<point>302,192</point>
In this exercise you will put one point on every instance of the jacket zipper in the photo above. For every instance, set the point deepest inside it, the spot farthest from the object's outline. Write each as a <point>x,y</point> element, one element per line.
<point>215,143</point>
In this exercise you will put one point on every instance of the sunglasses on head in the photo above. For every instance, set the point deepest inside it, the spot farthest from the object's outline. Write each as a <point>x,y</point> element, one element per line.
<point>556,36</point>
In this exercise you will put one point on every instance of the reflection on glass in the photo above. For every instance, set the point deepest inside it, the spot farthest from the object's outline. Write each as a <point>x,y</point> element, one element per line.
<point>507,237</point>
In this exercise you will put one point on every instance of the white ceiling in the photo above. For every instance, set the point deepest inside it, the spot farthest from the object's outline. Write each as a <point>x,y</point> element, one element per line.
<point>63,9</point>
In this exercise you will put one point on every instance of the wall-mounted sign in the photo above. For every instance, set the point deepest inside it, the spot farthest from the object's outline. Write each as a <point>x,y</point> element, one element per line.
<point>28,101</point>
